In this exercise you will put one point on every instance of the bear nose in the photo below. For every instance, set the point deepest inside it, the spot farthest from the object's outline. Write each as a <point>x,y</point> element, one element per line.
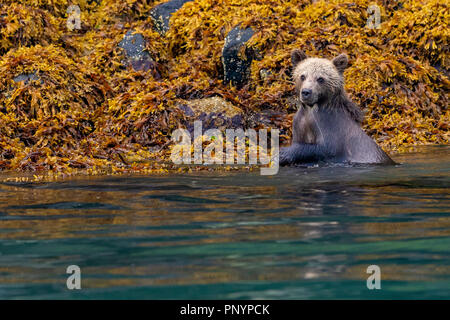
<point>306,93</point>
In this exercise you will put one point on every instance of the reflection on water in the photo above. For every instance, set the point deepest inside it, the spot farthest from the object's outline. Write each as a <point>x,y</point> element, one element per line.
<point>304,233</point>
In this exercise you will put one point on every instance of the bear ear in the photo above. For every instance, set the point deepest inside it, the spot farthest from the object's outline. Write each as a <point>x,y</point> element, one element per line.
<point>297,56</point>
<point>341,62</point>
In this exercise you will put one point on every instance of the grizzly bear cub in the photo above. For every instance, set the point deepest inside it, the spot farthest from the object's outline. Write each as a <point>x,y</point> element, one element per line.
<point>327,127</point>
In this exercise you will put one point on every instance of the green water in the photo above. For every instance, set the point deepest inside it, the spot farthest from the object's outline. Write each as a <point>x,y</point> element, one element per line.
<point>306,233</point>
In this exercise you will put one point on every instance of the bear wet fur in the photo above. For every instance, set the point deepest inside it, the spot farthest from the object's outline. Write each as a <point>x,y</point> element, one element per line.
<point>327,126</point>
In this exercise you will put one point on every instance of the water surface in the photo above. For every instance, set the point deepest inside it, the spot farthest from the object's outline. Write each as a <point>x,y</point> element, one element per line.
<point>306,233</point>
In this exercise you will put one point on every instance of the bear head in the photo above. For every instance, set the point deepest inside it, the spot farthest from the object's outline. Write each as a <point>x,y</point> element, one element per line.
<point>318,80</point>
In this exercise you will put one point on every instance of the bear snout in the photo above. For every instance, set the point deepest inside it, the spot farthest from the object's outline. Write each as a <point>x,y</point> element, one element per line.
<point>306,93</point>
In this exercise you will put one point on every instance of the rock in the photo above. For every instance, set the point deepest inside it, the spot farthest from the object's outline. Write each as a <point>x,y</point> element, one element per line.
<point>162,12</point>
<point>237,68</point>
<point>27,77</point>
<point>136,56</point>
<point>214,112</point>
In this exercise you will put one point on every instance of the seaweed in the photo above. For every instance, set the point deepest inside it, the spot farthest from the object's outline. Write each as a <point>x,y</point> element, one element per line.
<point>68,102</point>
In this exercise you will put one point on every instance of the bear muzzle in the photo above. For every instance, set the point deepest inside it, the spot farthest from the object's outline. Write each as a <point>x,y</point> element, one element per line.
<point>308,97</point>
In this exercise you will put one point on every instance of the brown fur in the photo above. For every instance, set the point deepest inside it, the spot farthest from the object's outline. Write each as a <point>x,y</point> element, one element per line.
<point>305,126</point>
<point>327,126</point>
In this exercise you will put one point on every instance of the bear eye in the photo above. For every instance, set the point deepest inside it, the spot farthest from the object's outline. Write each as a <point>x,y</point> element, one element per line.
<point>320,80</point>
<point>302,77</point>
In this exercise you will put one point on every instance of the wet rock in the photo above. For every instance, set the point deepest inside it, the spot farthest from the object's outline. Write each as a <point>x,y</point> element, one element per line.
<point>27,77</point>
<point>162,12</point>
<point>214,112</point>
<point>136,56</point>
<point>236,60</point>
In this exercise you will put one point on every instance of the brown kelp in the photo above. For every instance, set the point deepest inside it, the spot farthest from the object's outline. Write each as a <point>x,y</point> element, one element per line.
<point>69,99</point>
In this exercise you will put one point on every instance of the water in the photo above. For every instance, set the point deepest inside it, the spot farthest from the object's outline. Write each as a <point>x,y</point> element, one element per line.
<point>306,233</point>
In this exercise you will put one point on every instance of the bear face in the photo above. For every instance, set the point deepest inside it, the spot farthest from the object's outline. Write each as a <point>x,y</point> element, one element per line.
<point>318,80</point>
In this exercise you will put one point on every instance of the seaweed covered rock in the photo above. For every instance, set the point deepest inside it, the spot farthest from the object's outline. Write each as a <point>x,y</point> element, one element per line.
<point>21,25</point>
<point>403,33</point>
<point>237,57</point>
<point>45,81</point>
<point>214,112</point>
<point>144,115</point>
<point>57,8</point>
<point>161,14</point>
<point>48,103</point>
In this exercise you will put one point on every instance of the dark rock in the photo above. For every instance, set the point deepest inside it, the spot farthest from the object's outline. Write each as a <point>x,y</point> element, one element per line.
<point>214,112</point>
<point>136,56</point>
<point>237,68</point>
<point>162,12</point>
<point>187,110</point>
<point>27,77</point>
